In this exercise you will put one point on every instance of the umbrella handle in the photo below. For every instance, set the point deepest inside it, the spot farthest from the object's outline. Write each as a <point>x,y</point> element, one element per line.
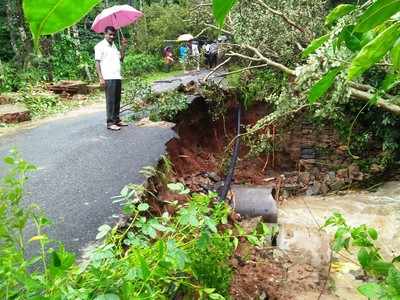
<point>120,33</point>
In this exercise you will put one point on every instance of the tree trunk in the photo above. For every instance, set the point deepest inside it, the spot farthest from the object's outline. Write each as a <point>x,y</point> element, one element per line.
<point>20,38</point>
<point>26,37</point>
<point>47,46</point>
<point>75,34</point>
<point>10,22</point>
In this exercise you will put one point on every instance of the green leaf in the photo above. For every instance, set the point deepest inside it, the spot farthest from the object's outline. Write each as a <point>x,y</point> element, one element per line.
<point>393,279</point>
<point>253,240</point>
<point>103,230</point>
<point>144,267</point>
<point>396,259</point>
<point>314,45</point>
<point>107,297</point>
<point>338,12</point>
<point>364,258</point>
<point>143,207</point>
<point>51,16</point>
<point>210,224</point>
<point>221,8</point>
<point>158,226</point>
<point>395,54</point>
<point>9,160</point>
<point>371,290</point>
<point>216,296</point>
<point>352,39</point>
<point>208,290</point>
<point>373,233</point>
<point>374,51</point>
<point>56,261</point>
<point>323,85</point>
<point>376,14</point>
<point>178,188</point>
<point>380,267</point>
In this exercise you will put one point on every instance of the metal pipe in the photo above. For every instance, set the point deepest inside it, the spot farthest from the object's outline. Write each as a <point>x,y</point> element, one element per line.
<point>229,177</point>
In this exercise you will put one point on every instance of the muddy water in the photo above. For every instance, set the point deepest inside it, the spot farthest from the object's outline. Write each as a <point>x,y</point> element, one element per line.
<point>301,217</point>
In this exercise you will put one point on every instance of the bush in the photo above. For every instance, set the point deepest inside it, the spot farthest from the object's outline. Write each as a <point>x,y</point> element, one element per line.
<point>153,258</point>
<point>168,106</point>
<point>136,64</point>
<point>68,63</point>
<point>12,80</point>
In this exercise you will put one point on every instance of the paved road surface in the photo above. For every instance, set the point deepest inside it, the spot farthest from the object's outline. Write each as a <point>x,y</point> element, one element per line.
<point>81,166</point>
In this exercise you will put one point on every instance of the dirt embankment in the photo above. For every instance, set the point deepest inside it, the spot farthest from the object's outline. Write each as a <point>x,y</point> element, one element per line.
<point>306,158</point>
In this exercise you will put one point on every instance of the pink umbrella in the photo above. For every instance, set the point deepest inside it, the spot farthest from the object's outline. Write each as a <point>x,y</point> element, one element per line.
<point>117,16</point>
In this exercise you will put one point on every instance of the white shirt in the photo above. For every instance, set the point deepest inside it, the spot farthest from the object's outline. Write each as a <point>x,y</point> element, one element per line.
<point>195,50</point>
<point>110,60</point>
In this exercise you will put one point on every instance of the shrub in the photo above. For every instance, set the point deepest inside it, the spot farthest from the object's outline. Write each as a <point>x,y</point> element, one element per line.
<point>136,64</point>
<point>168,106</point>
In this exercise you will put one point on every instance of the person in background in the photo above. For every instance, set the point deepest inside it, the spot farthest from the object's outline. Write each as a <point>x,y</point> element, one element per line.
<point>195,53</point>
<point>206,49</point>
<point>183,56</point>
<point>168,58</point>
<point>213,53</point>
<point>108,66</point>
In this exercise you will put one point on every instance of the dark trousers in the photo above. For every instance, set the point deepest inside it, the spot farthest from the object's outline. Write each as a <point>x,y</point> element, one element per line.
<point>113,100</point>
<point>213,60</point>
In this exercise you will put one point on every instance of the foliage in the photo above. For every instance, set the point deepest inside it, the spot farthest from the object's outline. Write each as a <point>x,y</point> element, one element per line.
<point>161,23</point>
<point>321,85</point>
<point>385,275</point>
<point>153,257</point>
<point>167,106</point>
<point>70,63</point>
<point>137,64</point>
<point>221,8</point>
<point>41,105</point>
<point>21,278</point>
<point>253,25</point>
<point>53,16</point>
<point>11,80</point>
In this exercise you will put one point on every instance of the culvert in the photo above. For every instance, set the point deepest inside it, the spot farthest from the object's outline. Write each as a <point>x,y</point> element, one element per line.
<point>255,201</point>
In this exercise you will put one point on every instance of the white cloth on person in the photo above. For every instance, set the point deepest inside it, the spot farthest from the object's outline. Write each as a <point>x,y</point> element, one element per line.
<point>110,60</point>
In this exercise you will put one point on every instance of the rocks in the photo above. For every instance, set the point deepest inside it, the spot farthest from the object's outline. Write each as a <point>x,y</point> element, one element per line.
<point>5,99</point>
<point>14,113</point>
<point>315,189</point>
<point>375,168</point>
<point>355,173</point>
<point>342,173</point>
<point>324,189</point>
<point>305,178</point>
<point>69,87</point>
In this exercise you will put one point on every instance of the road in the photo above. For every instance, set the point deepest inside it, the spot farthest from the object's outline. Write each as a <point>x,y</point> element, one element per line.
<point>81,165</point>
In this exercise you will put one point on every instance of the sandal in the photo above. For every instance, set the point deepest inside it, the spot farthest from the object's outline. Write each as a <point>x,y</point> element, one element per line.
<point>113,127</point>
<point>121,124</point>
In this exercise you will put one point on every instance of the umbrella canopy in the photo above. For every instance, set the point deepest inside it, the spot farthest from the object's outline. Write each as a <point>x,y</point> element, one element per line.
<point>117,16</point>
<point>185,37</point>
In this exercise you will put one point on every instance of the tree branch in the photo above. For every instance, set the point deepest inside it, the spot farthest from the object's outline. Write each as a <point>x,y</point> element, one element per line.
<point>358,91</point>
<point>284,17</point>
<point>217,28</point>
<point>216,68</point>
<point>244,69</point>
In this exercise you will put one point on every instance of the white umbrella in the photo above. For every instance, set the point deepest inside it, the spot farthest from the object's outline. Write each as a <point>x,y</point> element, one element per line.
<point>185,37</point>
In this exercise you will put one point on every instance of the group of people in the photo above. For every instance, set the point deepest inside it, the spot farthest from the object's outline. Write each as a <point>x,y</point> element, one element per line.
<point>108,66</point>
<point>191,53</point>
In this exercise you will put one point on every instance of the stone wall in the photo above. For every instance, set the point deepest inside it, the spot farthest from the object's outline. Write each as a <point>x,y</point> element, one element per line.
<point>323,163</point>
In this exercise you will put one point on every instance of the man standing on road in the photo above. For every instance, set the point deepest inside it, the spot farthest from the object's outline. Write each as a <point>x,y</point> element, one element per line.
<point>108,67</point>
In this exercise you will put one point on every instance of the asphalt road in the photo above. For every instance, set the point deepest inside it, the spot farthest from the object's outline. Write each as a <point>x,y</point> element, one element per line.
<point>81,165</point>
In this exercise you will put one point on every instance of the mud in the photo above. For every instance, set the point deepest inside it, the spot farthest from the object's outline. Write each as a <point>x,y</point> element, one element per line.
<point>201,146</point>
